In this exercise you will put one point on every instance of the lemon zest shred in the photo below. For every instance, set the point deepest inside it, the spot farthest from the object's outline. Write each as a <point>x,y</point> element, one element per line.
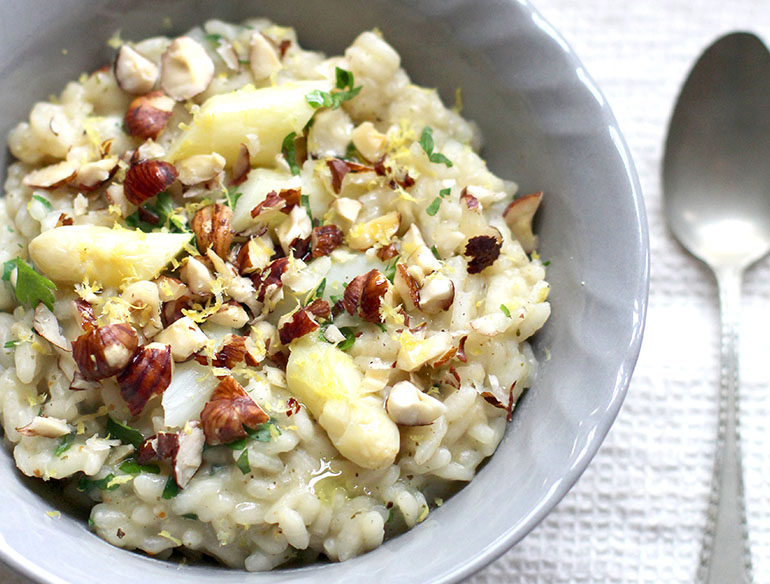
<point>170,537</point>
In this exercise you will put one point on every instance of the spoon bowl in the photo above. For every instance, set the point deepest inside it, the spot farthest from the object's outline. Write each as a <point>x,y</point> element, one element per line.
<point>716,184</point>
<point>716,170</point>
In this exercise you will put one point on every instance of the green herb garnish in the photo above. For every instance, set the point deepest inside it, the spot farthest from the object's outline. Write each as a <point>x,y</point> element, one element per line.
<point>435,252</point>
<point>31,288</point>
<point>243,462</point>
<point>130,466</point>
<point>426,141</point>
<point>433,207</point>
<point>305,202</point>
<point>43,201</point>
<point>171,489</point>
<point>289,151</point>
<point>125,433</point>
<point>214,38</point>
<point>547,263</point>
<point>351,153</point>
<point>505,310</point>
<point>64,444</point>
<point>239,444</point>
<point>192,516</point>
<point>166,213</point>
<point>319,291</point>
<point>345,92</point>
<point>232,196</point>
<point>350,338</point>
<point>10,344</point>
<point>390,269</point>
<point>263,433</point>
<point>86,484</point>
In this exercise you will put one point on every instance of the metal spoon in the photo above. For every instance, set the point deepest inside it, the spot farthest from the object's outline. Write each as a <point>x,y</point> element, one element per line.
<point>716,182</point>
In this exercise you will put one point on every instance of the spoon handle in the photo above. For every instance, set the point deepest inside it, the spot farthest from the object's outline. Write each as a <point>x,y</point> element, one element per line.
<point>725,556</point>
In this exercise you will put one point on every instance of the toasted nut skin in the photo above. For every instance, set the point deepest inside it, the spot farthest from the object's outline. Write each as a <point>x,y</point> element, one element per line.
<point>186,69</point>
<point>407,287</point>
<point>300,324</point>
<point>134,73</point>
<point>365,293</point>
<point>325,239</point>
<point>46,325</point>
<point>93,175</point>
<point>148,178</point>
<point>148,374</point>
<point>45,426</point>
<point>263,60</point>
<point>254,255</point>
<point>518,216</point>
<point>482,251</point>
<point>212,229</point>
<point>183,449</point>
<point>437,294</point>
<point>228,411</point>
<point>104,351</point>
<point>148,115</point>
<point>51,177</point>
<point>241,166</point>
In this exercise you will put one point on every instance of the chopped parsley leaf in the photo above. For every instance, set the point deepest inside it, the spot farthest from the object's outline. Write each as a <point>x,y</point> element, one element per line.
<point>31,288</point>
<point>319,291</point>
<point>232,196</point>
<point>214,38</point>
<point>433,207</point>
<point>243,462</point>
<point>164,210</point>
<point>289,151</point>
<point>125,433</point>
<point>305,202</point>
<point>350,338</point>
<point>390,269</point>
<point>64,445</point>
<point>264,432</point>
<point>345,92</point>
<point>171,489</point>
<point>435,252</point>
<point>426,141</point>
<point>130,466</point>
<point>505,310</point>
<point>43,201</point>
<point>11,344</point>
<point>86,484</point>
<point>547,263</point>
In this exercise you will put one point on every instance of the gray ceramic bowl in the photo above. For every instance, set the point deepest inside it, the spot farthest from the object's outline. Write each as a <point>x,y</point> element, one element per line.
<point>545,124</point>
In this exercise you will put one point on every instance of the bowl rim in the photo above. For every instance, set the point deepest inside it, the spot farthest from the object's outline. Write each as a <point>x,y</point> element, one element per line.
<point>507,540</point>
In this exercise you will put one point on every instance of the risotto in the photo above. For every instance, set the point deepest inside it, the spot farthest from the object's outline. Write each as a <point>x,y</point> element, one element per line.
<point>259,304</point>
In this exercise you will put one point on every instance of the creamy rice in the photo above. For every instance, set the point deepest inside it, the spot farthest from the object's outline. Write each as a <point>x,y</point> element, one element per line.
<point>334,414</point>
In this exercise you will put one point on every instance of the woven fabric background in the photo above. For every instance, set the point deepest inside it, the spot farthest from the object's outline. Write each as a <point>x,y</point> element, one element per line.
<point>638,512</point>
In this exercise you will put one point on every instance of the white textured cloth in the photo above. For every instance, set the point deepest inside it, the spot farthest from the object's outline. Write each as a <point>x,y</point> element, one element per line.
<point>638,512</point>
